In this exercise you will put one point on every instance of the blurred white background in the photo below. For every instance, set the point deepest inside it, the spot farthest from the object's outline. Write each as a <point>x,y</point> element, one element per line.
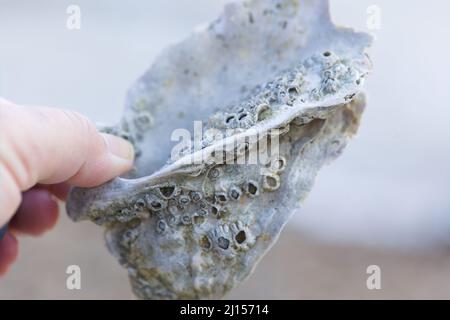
<point>390,188</point>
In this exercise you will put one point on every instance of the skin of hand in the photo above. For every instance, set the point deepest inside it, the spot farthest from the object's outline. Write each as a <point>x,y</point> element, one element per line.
<point>44,151</point>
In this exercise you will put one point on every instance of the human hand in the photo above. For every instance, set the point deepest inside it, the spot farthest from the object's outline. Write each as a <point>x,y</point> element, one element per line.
<point>43,151</point>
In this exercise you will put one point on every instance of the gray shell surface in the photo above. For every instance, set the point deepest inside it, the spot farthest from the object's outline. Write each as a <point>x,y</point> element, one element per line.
<point>271,72</point>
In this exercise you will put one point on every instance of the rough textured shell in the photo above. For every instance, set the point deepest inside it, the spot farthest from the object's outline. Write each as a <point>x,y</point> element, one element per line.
<point>195,230</point>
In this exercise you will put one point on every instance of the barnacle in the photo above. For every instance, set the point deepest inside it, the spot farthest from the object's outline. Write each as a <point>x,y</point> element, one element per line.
<point>278,94</point>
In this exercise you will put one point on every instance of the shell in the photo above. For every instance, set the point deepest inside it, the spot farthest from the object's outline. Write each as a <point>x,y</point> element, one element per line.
<point>268,74</point>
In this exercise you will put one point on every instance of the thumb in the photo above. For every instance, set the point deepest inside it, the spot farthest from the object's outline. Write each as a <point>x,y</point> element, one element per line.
<point>47,145</point>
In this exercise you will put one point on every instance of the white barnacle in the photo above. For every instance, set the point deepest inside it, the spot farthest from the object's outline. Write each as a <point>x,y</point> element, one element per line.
<point>235,193</point>
<point>251,188</point>
<point>271,181</point>
<point>278,164</point>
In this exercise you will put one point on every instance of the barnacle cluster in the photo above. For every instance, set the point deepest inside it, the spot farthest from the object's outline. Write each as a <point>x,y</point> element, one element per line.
<point>196,225</point>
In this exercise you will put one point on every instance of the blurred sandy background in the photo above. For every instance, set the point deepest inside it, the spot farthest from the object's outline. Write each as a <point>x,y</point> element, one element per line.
<point>384,202</point>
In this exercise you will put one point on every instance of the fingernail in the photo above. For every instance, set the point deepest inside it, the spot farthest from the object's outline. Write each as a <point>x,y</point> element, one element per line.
<point>119,147</point>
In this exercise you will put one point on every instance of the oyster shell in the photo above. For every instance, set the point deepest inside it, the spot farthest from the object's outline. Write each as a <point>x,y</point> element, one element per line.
<point>272,76</point>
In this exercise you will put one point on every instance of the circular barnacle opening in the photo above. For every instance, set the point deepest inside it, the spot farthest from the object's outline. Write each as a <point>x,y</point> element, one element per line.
<point>221,197</point>
<point>293,91</point>
<point>144,121</point>
<point>140,204</point>
<point>205,243</point>
<point>242,116</point>
<point>214,173</point>
<point>271,182</point>
<point>156,205</point>
<point>196,196</point>
<point>230,119</point>
<point>199,219</point>
<point>278,164</point>
<point>202,212</point>
<point>240,237</point>
<point>235,193</point>
<point>262,112</point>
<point>327,74</point>
<point>186,219</point>
<point>214,210</point>
<point>223,243</point>
<point>184,200</point>
<point>252,188</point>
<point>161,226</point>
<point>167,191</point>
<point>327,54</point>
